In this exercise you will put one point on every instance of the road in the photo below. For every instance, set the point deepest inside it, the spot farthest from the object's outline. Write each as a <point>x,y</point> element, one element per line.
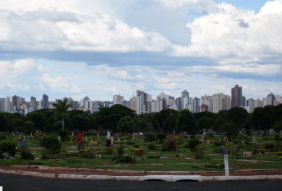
<point>22,183</point>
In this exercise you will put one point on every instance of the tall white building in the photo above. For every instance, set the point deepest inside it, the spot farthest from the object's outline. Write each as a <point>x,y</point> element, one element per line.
<point>184,98</point>
<point>221,102</point>
<point>7,104</point>
<point>2,102</point>
<point>117,99</point>
<point>258,103</point>
<point>278,100</point>
<point>251,105</point>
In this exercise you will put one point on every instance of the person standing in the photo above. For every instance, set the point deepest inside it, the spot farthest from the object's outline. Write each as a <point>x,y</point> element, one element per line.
<point>79,140</point>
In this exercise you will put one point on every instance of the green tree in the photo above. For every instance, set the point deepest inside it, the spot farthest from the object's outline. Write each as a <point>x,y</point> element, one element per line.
<point>61,109</point>
<point>205,123</point>
<point>186,121</point>
<point>140,123</point>
<point>3,122</point>
<point>29,127</point>
<point>219,122</point>
<point>230,129</point>
<point>237,116</point>
<point>81,122</point>
<point>38,119</point>
<point>126,124</point>
<point>263,118</point>
<point>278,127</point>
<point>164,117</point>
<point>15,122</point>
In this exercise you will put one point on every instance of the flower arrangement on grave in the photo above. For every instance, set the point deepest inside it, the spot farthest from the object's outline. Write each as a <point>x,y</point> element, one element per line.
<point>262,151</point>
<point>171,146</point>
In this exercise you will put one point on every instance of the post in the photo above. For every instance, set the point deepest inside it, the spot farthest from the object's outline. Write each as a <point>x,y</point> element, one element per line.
<point>24,137</point>
<point>31,133</point>
<point>226,165</point>
<point>72,133</point>
<point>254,137</point>
<point>59,138</point>
<point>13,134</point>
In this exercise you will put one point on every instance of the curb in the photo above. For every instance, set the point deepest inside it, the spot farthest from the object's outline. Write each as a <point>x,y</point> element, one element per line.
<point>167,178</point>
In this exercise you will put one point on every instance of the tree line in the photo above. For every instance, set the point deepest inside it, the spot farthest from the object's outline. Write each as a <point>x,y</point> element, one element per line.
<point>122,119</point>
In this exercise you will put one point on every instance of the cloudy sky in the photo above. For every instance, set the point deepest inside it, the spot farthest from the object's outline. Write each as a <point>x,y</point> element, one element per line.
<point>100,48</point>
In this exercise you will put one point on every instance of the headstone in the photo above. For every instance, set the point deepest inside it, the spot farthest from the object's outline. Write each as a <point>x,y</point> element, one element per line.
<point>118,139</point>
<point>71,134</point>
<point>108,135</point>
<point>31,133</point>
<point>97,135</point>
<point>13,134</point>
<point>133,136</point>
<point>226,165</point>
<point>24,138</point>
<point>59,138</point>
<point>86,140</point>
<point>112,141</point>
<point>254,137</point>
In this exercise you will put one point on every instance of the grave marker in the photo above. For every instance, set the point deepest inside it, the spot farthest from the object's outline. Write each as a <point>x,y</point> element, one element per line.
<point>226,151</point>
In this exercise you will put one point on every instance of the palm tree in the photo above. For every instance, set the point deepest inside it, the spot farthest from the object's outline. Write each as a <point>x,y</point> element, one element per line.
<point>61,108</point>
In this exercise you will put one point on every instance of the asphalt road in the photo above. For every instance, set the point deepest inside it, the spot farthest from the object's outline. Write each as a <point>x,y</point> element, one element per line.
<point>22,183</point>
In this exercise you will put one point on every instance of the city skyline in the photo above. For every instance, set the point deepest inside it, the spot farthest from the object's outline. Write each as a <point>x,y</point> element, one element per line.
<point>80,48</point>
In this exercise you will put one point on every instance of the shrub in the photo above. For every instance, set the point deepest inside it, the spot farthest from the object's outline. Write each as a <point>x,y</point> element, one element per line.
<point>218,149</point>
<point>152,146</point>
<point>46,155</point>
<point>140,153</point>
<point>119,155</point>
<point>149,137</point>
<point>154,156</point>
<point>109,150</point>
<point>279,153</point>
<point>83,151</point>
<point>161,137</point>
<point>164,146</point>
<point>64,134</point>
<point>269,146</point>
<point>209,141</point>
<point>235,150</point>
<point>51,144</point>
<point>265,138</point>
<point>262,151</point>
<point>193,143</point>
<point>7,147</point>
<point>88,154</point>
<point>171,145</point>
<point>127,159</point>
<point>217,143</point>
<point>249,132</point>
<point>2,137</point>
<point>236,141</point>
<point>130,142</point>
<point>200,151</point>
<point>136,146</point>
<point>26,153</point>
<point>133,150</point>
<point>277,138</point>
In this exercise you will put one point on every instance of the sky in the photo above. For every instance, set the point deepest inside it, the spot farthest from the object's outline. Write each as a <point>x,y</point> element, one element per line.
<point>94,48</point>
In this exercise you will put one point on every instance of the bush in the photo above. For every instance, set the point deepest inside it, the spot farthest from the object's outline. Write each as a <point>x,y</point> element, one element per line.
<point>161,137</point>
<point>149,137</point>
<point>279,153</point>
<point>46,155</point>
<point>193,143</point>
<point>171,145</point>
<point>127,159</point>
<point>7,147</point>
<point>164,146</point>
<point>130,142</point>
<point>269,146</point>
<point>51,144</point>
<point>2,137</point>
<point>235,150</point>
<point>140,153</point>
<point>109,150</point>
<point>152,146</point>
<point>64,134</point>
<point>218,149</point>
<point>249,132</point>
<point>88,154</point>
<point>265,138</point>
<point>217,143</point>
<point>136,146</point>
<point>26,153</point>
<point>200,151</point>
<point>133,150</point>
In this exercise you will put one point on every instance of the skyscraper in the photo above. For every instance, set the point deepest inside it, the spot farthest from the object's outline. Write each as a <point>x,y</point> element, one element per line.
<point>16,101</point>
<point>196,102</point>
<point>33,103</point>
<point>45,101</point>
<point>2,102</point>
<point>184,98</point>
<point>237,99</point>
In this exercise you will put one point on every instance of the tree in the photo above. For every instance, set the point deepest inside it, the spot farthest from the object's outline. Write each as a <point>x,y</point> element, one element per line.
<point>3,122</point>
<point>219,122</point>
<point>15,122</point>
<point>208,114</point>
<point>230,129</point>
<point>29,127</point>
<point>140,123</point>
<point>161,118</point>
<point>205,123</point>
<point>126,124</point>
<point>278,127</point>
<point>149,118</point>
<point>263,118</point>
<point>108,118</point>
<point>61,108</point>
<point>186,121</point>
<point>80,122</point>
<point>237,116</point>
<point>38,119</point>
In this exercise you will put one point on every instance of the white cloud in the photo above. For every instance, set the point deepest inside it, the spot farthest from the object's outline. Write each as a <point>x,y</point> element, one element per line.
<point>235,33</point>
<point>60,84</point>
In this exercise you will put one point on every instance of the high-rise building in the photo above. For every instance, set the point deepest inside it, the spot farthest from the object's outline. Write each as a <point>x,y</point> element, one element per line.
<point>45,101</point>
<point>7,104</point>
<point>251,104</point>
<point>221,102</point>
<point>178,104</point>
<point>118,99</point>
<point>16,101</point>
<point>278,100</point>
<point>2,103</point>
<point>237,99</point>
<point>184,98</point>
<point>269,100</point>
<point>258,103</point>
<point>208,101</point>
<point>84,102</point>
<point>33,103</point>
<point>196,102</point>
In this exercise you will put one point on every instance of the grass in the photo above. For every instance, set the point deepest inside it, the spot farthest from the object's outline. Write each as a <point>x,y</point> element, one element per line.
<point>172,163</point>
